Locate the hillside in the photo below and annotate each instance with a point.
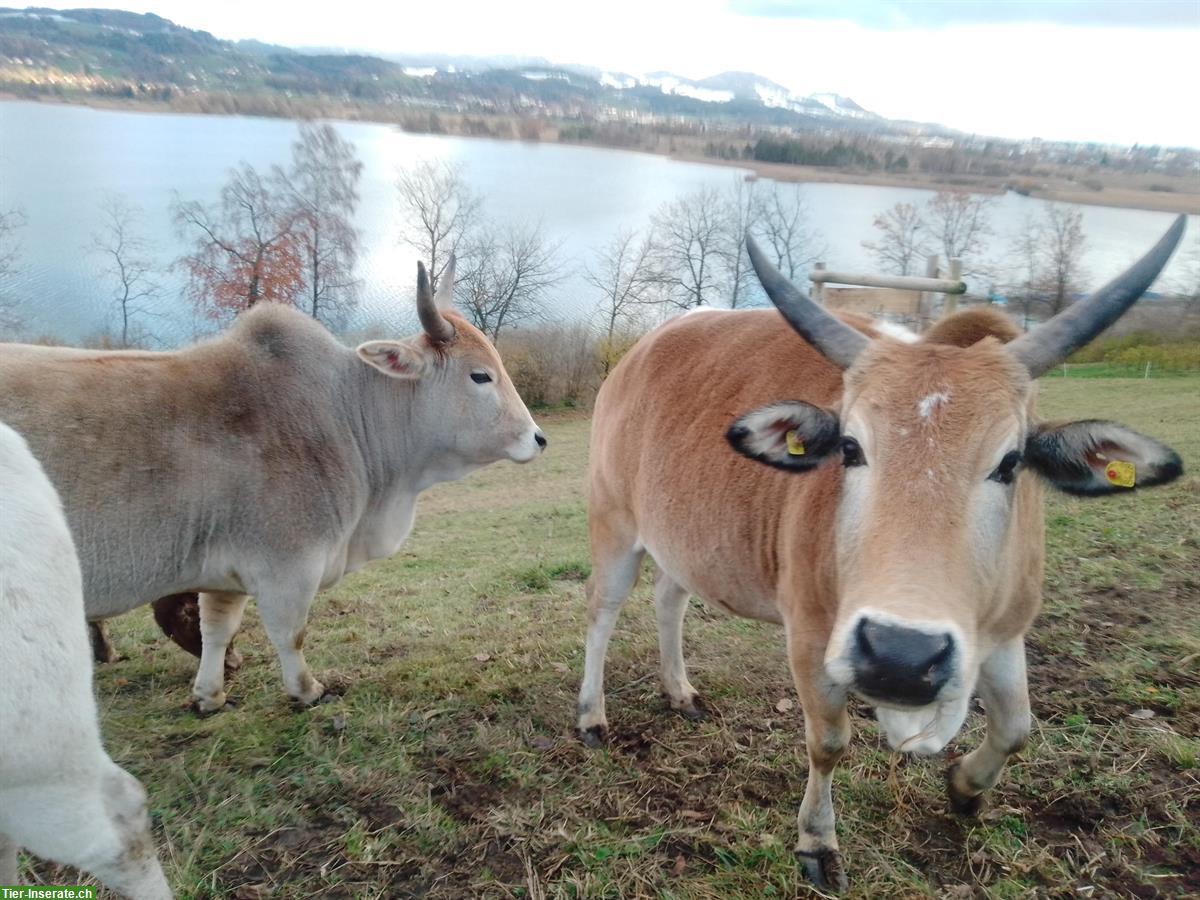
(116, 53)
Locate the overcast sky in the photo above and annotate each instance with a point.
(1105, 70)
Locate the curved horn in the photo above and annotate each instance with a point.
(1053, 341)
(833, 338)
(439, 330)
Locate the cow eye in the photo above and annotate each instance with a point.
(852, 454)
(1007, 470)
(480, 377)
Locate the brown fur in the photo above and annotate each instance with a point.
(969, 327)
(933, 418)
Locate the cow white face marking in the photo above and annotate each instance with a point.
(929, 404)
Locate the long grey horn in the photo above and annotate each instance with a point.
(833, 338)
(1053, 341)
(445, 292)
(439, 330)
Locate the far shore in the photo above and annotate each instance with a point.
(1058, 190)
(1183, 195)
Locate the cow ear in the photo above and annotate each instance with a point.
(1095, 457)
(791, 435)
(395, 358)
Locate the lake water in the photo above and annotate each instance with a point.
(58, 163)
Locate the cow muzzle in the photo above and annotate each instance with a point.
(896, 662)
(529, 446)
(900, 665)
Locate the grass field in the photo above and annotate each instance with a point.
(448, 768)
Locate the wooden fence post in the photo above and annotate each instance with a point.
(818, 290)
(925, 302)
(950, 301)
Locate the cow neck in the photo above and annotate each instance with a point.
(395, 451)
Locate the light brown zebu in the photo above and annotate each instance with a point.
(889, 516)
(269, 461)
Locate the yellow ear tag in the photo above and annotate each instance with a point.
(795, 446)
(1121, 473)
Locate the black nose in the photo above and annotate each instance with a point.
(901, 665)
(541, 439)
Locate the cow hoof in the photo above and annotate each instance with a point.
(594, 736)
(210, 707)
(694, 709)
(824, 869)
(961, 804)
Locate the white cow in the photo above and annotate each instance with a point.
(60, 794)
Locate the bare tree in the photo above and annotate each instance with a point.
(1025, 248)
(10, 222)
(1062, 256)
(624, 276)
(902, 239)
(743, 208)
(959, 222)
(127, 260)
(505, 276)
(689, 245)
(788, 236)
(322, 186)
(245, 247)
(440, 211)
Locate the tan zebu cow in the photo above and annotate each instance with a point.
(889, 517)
(269, 461)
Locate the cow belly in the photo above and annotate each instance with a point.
(715, 578)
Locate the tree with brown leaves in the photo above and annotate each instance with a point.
(246, 247)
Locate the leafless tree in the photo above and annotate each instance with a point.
(322, 186)
(245, 247)
(689, 245)
(127, 261)
(1025, 250)
(623, 274)
(440, 211)
(788, 236)
(959, 222)
(1062, 256)
(743, 207)
(10, 222)
(902, 239)
(504, 276)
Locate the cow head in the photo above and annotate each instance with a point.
(939, 522)
(462, 399)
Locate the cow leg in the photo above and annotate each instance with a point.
(826, 734)
(100, 826)
(103, 650)
(220, 619)
(284, 614)
(1005, 693)
(670, 606)
(615, 567)
(8, 860)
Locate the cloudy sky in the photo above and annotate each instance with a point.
(1105, 70)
